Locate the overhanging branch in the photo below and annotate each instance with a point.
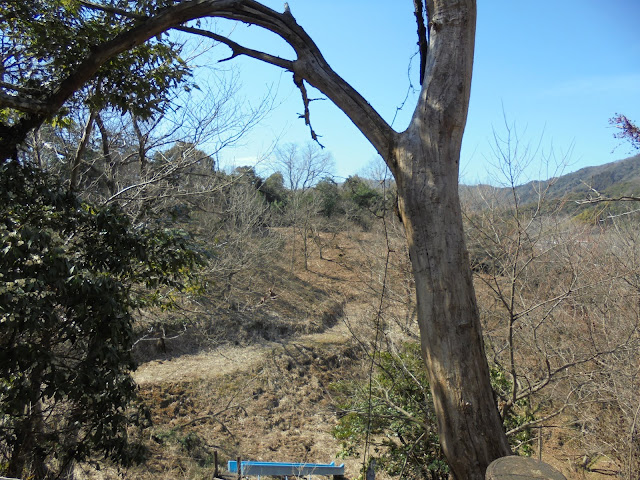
(310, 66)
(23, 104)
(238, 50)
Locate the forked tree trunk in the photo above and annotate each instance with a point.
(425, 163)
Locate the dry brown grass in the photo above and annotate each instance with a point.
(254, 381)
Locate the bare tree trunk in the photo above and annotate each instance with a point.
(142, 145)
(469, 425)
(425, 164)
(109, 164)
(305, 242)
(37, 146)
(82, 147)
(293, 244)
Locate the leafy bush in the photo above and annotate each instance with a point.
(400, 420)
(395, 414)
(363, 194)
(71, 274)
(518, 415)
(329, 197)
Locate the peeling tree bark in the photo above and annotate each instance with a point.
(425, 162)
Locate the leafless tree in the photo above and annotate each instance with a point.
(148, 165)
(241, 222)
(558, 303)
(607, 419)
(302, 168)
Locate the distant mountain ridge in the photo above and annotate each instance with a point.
(613, 179)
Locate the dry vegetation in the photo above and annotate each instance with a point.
(301, 287)
(254, 379)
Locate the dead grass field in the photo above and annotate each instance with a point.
(259, 390)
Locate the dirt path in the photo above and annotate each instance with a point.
(228, 359)
(211, 364)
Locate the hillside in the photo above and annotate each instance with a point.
(613, 179)
(261, 386)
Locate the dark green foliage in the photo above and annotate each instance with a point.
(365, 200)
(274, 190)
(247, 175)
(70, 275)
(44, 41)
(195, 160)
(362, 194)
(401, 420)
(190, 443)
(329, 195)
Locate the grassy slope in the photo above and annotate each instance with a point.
(254, 381)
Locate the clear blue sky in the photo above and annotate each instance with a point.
(557, 68)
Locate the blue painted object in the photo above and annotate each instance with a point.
(286, 469)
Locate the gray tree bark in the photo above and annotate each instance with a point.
(425, 164)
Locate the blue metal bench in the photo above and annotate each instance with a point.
(282, 469)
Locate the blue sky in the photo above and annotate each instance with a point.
(557, 69)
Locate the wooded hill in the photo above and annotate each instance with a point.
(613, 179)
(609, 181)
